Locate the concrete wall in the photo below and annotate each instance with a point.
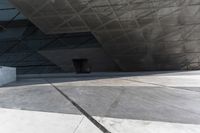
(7, 75)
(97, 59)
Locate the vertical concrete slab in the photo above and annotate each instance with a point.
(7, 75)
(97, 59)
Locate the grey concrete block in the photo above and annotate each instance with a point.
(7, 75)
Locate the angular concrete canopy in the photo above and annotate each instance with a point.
(137, 34)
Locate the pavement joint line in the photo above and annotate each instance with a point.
(78, 125)
(95, 122)
(116, 101)
(168, 88)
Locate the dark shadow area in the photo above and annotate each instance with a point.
(81, 66)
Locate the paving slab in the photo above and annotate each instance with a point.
(18, 121)
(154, 104)
(39, 96)
(140, 126)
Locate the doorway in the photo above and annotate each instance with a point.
(81, 65)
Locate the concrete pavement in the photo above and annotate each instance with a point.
(155, 102)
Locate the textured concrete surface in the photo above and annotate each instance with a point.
(137, 35)
(16, 121)
(34, 94)
(140, 126)
(145, 100)
(97, 59)
(7, 75)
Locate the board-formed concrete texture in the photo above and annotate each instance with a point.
(136, 34)
(7, 75)
(147, 102)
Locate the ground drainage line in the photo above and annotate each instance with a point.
(95, 122)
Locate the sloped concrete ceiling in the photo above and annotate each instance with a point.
(137, 34)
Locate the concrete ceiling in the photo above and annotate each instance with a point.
(137, 34)
(8, 13)
(20, 42)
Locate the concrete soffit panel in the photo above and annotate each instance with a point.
(145, 35)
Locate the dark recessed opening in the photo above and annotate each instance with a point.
(81, 65)
(1, 28)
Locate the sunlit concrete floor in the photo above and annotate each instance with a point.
(145, 102)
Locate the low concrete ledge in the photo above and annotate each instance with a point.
(7, 75)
